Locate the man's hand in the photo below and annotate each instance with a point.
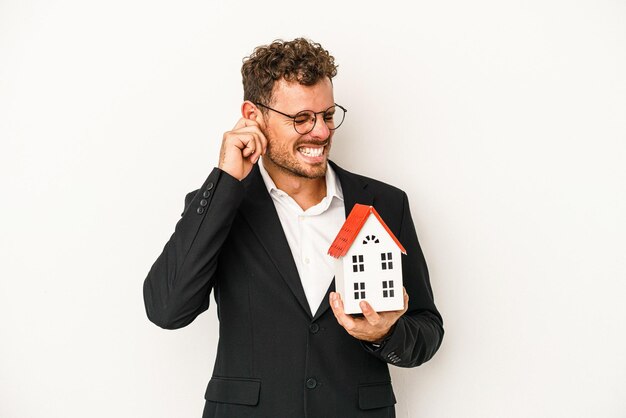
(241, 148)
(374, 326)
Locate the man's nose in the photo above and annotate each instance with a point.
(320, 130)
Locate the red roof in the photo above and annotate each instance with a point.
(351, 228)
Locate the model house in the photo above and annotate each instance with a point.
(368, 265)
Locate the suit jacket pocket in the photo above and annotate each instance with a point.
(241, 391)
(376, 395)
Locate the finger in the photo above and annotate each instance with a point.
(336, 305)
(241, 123)
(263, 140)
(249, 146)
(246, 144)
(249, 122)
(251, 130)
(239, 139)
(406, 299)
(256, 130)
(258, 151)
(369, 313)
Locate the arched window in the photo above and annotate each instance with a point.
(371, 238)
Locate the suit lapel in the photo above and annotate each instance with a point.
(354, 191)
(354, 188)
(259, 210)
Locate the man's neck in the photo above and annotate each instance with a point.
(306, 192)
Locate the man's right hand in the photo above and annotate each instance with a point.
(241, 148)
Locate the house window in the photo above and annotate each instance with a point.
(371, 238)
(388, 290)
(359, 290)
(386, 261)
(357, 263)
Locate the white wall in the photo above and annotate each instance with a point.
(505, 121)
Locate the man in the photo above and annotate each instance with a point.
(257, 233)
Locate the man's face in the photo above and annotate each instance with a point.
(294, 154)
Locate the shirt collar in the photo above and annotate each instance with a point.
(333, 186)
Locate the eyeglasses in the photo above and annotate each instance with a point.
(305, 120)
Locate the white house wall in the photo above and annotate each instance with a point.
(373, 274)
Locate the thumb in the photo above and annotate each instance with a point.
(241, 123)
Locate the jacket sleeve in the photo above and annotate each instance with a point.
(417, 335)
(179, 284)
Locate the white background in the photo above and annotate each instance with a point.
(505, 122)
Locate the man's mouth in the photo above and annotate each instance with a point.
(311, 151)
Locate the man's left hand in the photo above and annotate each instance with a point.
(374, 326)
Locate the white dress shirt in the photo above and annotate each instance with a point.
(310, 233)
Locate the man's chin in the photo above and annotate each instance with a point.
(310, 172)
(318, 172)
(315, 171)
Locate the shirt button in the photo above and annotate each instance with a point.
(209, 186)
(206, 194)
(203, 202)
(311, 383)
(314, 328)
(200, 210)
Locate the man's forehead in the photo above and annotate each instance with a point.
(298, 96)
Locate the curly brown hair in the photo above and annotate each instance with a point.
(300, 60)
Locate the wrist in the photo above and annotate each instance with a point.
(379, 343)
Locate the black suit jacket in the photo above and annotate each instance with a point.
(275, 358)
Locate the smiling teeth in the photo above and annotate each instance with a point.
(312, 152)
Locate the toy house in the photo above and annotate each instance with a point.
(368, 265)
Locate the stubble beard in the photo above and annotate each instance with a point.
(286, 162)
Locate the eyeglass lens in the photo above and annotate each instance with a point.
(304, 121)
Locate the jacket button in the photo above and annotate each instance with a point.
(314, 328)
(206, 194)
(209, 186)
(203, 202)
(200, 210)
(311, 383)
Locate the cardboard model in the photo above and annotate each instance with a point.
(369, 264)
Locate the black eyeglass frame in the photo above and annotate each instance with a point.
(323, 112)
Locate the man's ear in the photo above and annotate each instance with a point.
(250, 111)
